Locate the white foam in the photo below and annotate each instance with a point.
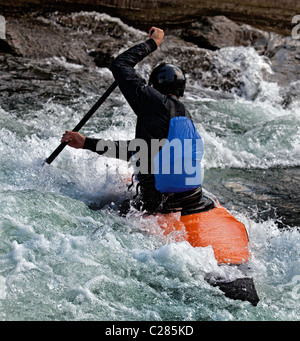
(252, 65)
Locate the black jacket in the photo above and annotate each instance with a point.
(151, 107)
(153, 115)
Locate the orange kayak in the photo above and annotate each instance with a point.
(228, 238)
(216, 227)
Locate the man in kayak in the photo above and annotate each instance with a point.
(162, 117)
(156, 106)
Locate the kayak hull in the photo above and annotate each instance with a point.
(228, 238)
(216, 227)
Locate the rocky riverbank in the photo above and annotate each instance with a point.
(270, 15)
(87, 38)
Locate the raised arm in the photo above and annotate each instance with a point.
(132, 85)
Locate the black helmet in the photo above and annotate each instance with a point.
(168, 79)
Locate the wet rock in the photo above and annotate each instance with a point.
(217, 32)
(290, 94)
(284, 53)
(212, 33)
(270, 15)
(89, 38)
(93, 38)
(69, 36)
(262, 193)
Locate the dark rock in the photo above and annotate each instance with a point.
(86, 38)
(101, 58)
(290, 94)
(262, 193)
(212, 33)
(70, 36)
(239, 289)
(284, 53)
(89, 38)
(270, 15)
(218, 32)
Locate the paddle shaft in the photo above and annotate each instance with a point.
(56, 152)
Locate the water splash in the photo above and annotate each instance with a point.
(75, 263)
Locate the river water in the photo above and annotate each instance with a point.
(66, 255)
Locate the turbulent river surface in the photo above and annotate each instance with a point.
(64, 252)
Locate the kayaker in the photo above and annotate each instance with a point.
(160, 115)
(155, 104)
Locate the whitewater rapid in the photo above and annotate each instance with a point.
(62, 260)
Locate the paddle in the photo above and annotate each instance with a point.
(83, 121)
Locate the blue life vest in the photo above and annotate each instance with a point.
(177, 166)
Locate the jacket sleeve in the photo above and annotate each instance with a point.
(138, 94)
(111, 149)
